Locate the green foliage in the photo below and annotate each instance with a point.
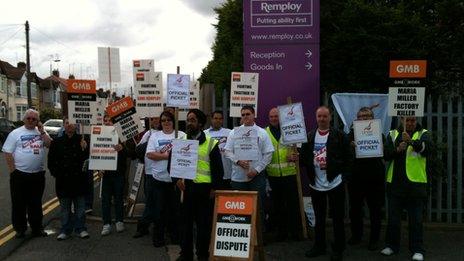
(358, 39)
(49, 113)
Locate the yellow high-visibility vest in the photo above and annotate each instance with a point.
(415, 163)
(203, 166)
(279, 165)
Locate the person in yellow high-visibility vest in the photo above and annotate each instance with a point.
(197, 205)
(281, 174)
(406, 185)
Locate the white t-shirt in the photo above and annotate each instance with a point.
(320, 161)
(265, 154)
(27, 148)
(160, 142)
(221, 136)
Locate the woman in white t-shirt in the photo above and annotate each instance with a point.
(156, 167)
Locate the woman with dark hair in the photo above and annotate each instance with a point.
(158, 180)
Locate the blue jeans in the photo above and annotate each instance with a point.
(258, 183)
(414, 207)
(72, 221)
(112, 187)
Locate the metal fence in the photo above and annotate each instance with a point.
(444, 119)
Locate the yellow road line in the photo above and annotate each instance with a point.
(5, 230)
(7, 238)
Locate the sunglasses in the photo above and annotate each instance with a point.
(31, 119)
(246, 114)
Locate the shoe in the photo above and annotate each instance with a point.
(106, 230)
(84, 234)
(418, 257)
(387, 251)
(88, 211)
(119, 227)
(373, 246)
(39, 233)
(62, 236)
(20, 235)
(314, 252)
(140, 234)
(354, 241)
(336, 256)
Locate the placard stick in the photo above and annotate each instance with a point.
(298, 184)
(176, 117)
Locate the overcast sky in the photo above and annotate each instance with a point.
(172, 32)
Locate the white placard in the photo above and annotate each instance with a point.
(136, 184)
(194, 100)
(184, 159)
(406, 101)
(82, 112)
(125, 118)
(227, 244)
(244, 91)
(246, 143)
(103, 156)
(101, 105)
(149, 93)
(368, 138)
(108, 64)
(144, 65)
(292, 124)
(178, 91)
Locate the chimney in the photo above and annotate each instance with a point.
(56, 73)
(22, 65)
(71, 77)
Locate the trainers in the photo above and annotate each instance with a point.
(387, 251)
(119, 227)
(62, 236)
(418, 257)
(84, 234)
(106, 230)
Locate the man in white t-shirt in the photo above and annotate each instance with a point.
(326, 156)
(249, 175)
(217, 132)
(25, 157)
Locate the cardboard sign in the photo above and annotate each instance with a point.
(82, 102)
(406, 101)
(194, 100)
(184, 159)
(136, 183)
(103, 156)
(125, 118)
(109, 67)
(149, 93)
(147, 65)
(292, 124)
(234, 230)
(368, 138)
(244, 91)
(408, 69)
(178, 91)
(246, 143)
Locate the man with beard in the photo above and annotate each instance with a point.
(197, 205)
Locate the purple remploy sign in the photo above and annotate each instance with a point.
(281, 43)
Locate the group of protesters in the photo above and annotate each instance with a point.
(175, 206)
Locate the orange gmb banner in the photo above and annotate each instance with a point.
(82, 86)
(241, 205)
(408, 69)
(119, 106)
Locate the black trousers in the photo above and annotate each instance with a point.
(197, 207)
(374, 195)
(26, 198)
(336, 199)
(285, 203)
(164, 202)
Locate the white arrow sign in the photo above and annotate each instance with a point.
(308, 66)
(308, 53)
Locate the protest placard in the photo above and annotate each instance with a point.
(368, 138)
(234, 226)
(292, 124)
(82, 102)
(184, 159)
(143, 65)
(178, 91)
(244, 91)
(103, 156)
(406, 101)
(194, 100)
(246, 143)
(149, 93)
(125, 118)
